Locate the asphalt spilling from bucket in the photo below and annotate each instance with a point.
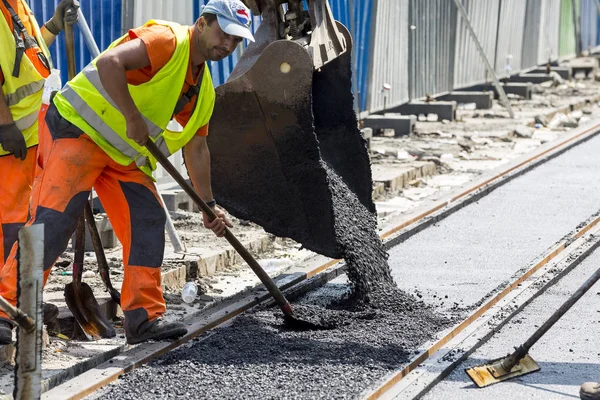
(369, 329)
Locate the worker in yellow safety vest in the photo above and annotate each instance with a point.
(99, 123)
(24, 64)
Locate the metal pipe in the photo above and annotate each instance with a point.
(490, 70)
(85, 31)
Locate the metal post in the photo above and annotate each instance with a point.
(490, 70)
(598, 6)
(578, 46)
(28, 376)
(87, 34)
(178, 247)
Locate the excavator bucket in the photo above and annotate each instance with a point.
(283, 119)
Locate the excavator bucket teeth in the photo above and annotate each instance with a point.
(277, 125)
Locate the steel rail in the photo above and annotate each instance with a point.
(551, 255)
(96, 378)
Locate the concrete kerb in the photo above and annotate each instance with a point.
(434, 366)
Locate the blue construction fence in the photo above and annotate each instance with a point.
(105, 20)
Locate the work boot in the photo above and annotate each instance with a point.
(590, 391)
(158, 329)
(5, 332)
(49, 313)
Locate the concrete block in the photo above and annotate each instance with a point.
(178, 200)
(587, 65)
(522, 89)
(483, 100)
(531, 78)
(443, 109)
(401, 124)
(367, 134)
(563, 72)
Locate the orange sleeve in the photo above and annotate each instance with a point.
(160, 44)
(203, 131)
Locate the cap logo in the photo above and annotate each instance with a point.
(242, 16)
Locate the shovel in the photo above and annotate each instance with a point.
(520, 363)
(290, 318)
(78, 295)
(100, 256)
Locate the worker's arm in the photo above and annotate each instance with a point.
(11, 138)
(112, 66)
(65, 13)
(197, 161)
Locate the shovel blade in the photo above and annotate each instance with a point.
(87, 312)
(492, 372)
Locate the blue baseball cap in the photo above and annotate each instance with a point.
(233, 16)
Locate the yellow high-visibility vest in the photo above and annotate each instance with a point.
(23, 94)
(85, 103)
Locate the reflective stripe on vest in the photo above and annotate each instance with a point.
(27, 121)
(24, 91)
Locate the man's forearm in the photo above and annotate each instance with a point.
(197, 162)
(114, 80)
(5, 115)
(48, 36)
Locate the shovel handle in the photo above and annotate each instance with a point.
(237, 245)
(70, 42)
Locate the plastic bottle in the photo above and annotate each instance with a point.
(189, 292)
(53, 84)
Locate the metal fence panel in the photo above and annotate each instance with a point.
(390, 55)
(550, 32)
(589, 24)
(104, 18)
(541, 39)
(180, 11)
(509, 44)
(567, 45)
(431, 47)
(469, 68)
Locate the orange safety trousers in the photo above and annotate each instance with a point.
(67, 170)
(16, 180)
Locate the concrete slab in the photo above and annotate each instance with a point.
(482, 100)
(522, 89)
(464, 259)
(585, 65)
(531, 78)
(443, 109)
(397, 176)
(568, 354)
(401, 124)
(563, 72)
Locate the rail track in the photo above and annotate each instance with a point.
(433, 360)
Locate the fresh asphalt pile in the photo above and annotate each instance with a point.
(373, 330)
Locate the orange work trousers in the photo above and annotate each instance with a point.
(67, 170)
(16, 180)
